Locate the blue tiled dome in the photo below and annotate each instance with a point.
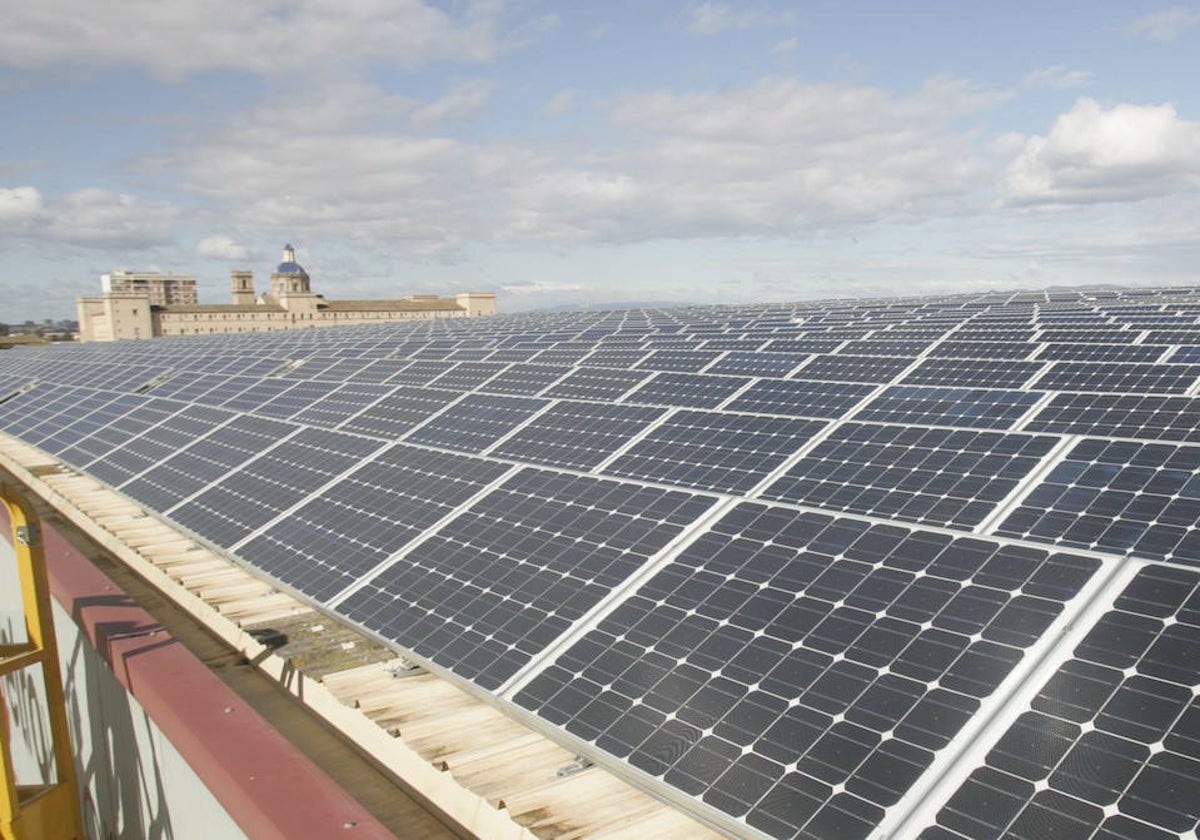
(289, 264)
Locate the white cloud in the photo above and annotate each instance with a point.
(711, 18)
(541, 287)
(561, 103)
(777, 158)
(1165, 26)
(462, 102)
(99, 218)
(1093, 154)
(88, 218)
(173, 38)
(20, 205)
(1058, 76)
(221, 247)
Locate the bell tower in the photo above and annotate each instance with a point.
(241, 285)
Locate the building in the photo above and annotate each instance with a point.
(163, 289)
(131, 310)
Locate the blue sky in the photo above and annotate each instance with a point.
(593, 152)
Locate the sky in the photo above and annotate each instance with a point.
(591, 153)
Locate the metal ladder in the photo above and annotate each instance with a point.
(39, 811)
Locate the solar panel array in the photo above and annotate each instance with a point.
(910, 567)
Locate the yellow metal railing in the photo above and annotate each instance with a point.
(49, 810)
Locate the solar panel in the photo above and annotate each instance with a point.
(505, 578)
(1147, 417)
(937, 476)
(339, 535)
(398, 412)
(847, 368)
(727, 452)
(799, 399)
(798, 671)
(1110, 745)
(577, 435)
(205, 461)
(974, 408)
(1119, 496)
(267, 486)
(973, 373)
(906, 567)
(476, 422)
(1113, 376)
(689, 390)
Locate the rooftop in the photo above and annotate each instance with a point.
(822, 569)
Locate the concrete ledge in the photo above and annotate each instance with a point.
(268, 787)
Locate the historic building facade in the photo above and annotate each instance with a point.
(289, 303)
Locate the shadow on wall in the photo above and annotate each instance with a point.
(116, 744)
(24, 695)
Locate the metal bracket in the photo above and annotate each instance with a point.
(405, 667)
(581, 763)
(27, 535)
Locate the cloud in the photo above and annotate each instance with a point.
(221, 247)
(1058, 76)
(462, 102)
(541, 287)
(20, 205)
(88, 218)
(714, 18)
(561, 103)
(780, 157)
(1093, 154)
(174, 38)
(1164, 26)
(711, 18)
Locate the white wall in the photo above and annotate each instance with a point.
(134, 783)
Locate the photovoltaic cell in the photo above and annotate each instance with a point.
(1146, 417)
(1120, 496)
(1110, 746)
(396, 414)
(799, 399)
(973, 373)
(476, 422)
(206, 461)
(142, 413)
(800, 672)
(524, 379)
(847, 368)
(954, 348)
(155, 444)
(338, 536)
(936, 476)
(597, 384)
(301, 396)
(465, 376)
(690, 390)
(742, 363)
(1115, 376)
(341, 403)
(260, 490)
(974, 408)
(504, 579)
(576, 434)
(1105, 352)
(679, 360)
(714, 451)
